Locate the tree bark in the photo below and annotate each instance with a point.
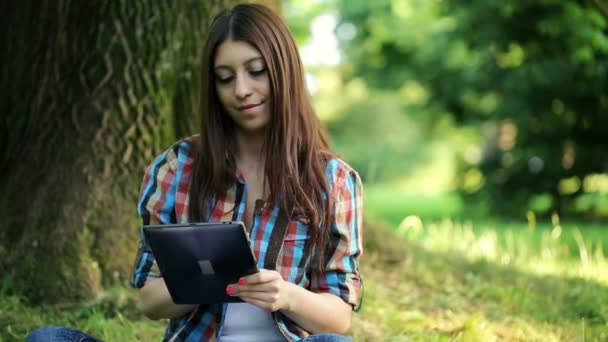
(275, 5)
(92, 91)
(601, 7)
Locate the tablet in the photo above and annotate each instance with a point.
(198, 260)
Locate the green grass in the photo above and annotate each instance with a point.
(391, 205)
(452, 285)
(445, 279)
(425, 280)
(446, 284)
(112, 317)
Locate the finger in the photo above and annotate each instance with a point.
(263, 276)
(268, 306)
(272, 287)
(259, 296)
(250, 280)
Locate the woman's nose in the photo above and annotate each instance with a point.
(242, 86)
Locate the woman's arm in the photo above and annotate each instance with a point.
(156, 302)
(318, 312)
(326, 304)
(157, 202)
(315, 312)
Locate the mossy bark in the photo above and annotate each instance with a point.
(92, 90)
(275, 5)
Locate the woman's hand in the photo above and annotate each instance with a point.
(265, 289)
(314, 312)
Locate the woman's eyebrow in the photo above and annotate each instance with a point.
(253, 59)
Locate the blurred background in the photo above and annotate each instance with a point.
(478, 108)
(479, 128)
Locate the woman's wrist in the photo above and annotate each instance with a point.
(291, 297)
(315, 312)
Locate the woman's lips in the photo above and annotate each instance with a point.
(249, 109)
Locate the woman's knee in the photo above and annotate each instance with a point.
(327, 338)
(43, 334)
(53, 333)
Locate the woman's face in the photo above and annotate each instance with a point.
(243, 85)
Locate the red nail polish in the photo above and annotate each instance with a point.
(229, 290)
(241, 281)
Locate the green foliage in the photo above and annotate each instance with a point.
(392, 204)
(548, 62)
(386, 158)
(300, 13)
(530, 77)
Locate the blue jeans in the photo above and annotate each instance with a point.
(59, 334)
(327, 338)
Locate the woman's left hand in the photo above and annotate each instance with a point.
(265, 289)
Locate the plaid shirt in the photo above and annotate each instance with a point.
(164, 198)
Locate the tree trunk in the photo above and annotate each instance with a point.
(91, 92)
(275, 5)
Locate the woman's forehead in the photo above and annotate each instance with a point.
(235, 52)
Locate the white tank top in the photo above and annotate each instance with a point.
(246, 322)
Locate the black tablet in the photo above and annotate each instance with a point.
(198, 260)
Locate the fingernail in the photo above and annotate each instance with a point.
(241, 281)
(229, 290)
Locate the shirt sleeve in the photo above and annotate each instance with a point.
(341, 276)
(156, 205)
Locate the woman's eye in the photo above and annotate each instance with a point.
(257, 72)
(224, 80)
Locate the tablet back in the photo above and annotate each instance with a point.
(198, 261)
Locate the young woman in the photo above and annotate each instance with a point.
(262, 158)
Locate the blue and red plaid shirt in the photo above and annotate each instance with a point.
(164, 199)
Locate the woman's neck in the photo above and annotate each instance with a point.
(249, 149)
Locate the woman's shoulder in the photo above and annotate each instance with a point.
(179, 154)
(339, 171)
(336, 164)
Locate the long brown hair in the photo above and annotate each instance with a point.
(295, 138)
